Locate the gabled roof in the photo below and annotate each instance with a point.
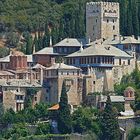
(61, 66)
(72, 42)
(38, 66)
(119, 40)
(46, 50)
(55, 107)
(100, 50)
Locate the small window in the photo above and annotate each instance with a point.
(35, 98)
(120, 62)
(94, 82)
(96, 20)
(67, 73)
(107, 20)
(113, 27)
(128, 62)
(61, 73)
(113, 20)
(73, 72)
(21, 97)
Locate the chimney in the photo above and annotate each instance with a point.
(133, 36)
(89, 40)
(50, 41)
(81, 47)
(120, 39)
(67, 40)
(41, 76)
(31, 80)
(89, 70)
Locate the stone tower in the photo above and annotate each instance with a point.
(102, 20)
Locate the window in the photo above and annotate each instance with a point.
(113, 27)
(73, 72)
(96, 20)
(98, 59)
(128, 62)
(120, 62)
(67, 73)
(35, 98)
(95, 60)
(107, 20)
(94, 82)
(113, 20)
(61, 73)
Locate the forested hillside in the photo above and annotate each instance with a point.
(66, 17)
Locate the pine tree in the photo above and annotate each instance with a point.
(64, 117)
(109, 122)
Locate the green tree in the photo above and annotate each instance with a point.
(29, 43)
(64, 116)
(84, 120)
(8, 117)
(134, 133)
(43, 129)
(109, 122)
(16, 131)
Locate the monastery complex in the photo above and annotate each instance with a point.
(89, 65)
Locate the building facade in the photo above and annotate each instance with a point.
(53, 80)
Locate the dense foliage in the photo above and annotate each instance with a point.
(84, 120)
(109, 122)
(67, 17)
(36, 21)
(134, 133)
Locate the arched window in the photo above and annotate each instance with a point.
(114, 11)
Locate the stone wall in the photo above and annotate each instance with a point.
(9, 100)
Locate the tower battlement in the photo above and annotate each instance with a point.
(103, 3)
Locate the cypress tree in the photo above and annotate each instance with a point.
(109, 122)
(46, 38)
(135, 20)
(29, 44)
(36, 43)
(64, 117)
(129, 19)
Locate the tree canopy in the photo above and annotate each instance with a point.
(67, 17)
